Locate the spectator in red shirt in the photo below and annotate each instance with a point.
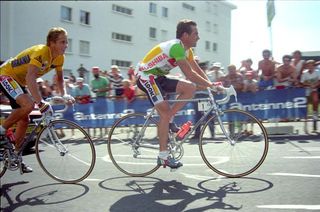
(128, 90)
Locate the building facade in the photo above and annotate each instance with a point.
(105, 33)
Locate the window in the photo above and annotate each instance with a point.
(84, 17)
(208, 26)
(66, 13)
(122, 37)
(207, 46)
(164, 12)
(69, 49)
(214, 47)
(152, 32)
(215, 28)
(152, 8)
(121, 63)
(188, 6)
(84, 47)
(121, 9)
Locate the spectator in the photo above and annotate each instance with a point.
(234, 78)
(310, 79)
(116, 78)
(246, 66)
(250, 84)
(215, 74)
(267, 67)
(297, 63)
(131, 75)
(72, 77)
(69, 86)
(99, 85)
(82, 92)
(55, 90)
(44, 90)
(285, 74)
(128, 90)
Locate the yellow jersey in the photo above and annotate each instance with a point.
(38, 55)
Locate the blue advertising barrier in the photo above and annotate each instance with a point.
(268, 104)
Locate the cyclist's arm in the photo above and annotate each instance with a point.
(31, 79)
(194, 65)
(191, 75)
(60, 83)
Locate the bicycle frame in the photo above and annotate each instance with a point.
(213, 109)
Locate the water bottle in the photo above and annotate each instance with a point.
(10, 135)
(184, 129)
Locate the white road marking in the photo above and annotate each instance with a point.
(295, 175)
(293, 207)
(308, 149)
(301, 157)
(93, 179)
(201, 177)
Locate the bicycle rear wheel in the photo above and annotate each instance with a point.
(3, 161)
(250, 146)
(65, 151)
(133, 145)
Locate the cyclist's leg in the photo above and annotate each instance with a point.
(20, 131)
(19, 115)
(155, 92)
(185, 90)
(163, 110)
(22, 105)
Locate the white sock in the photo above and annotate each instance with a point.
(171, 120)
(164, 154)
(2, 130)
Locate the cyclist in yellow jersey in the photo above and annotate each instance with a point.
(22, 71)
(151, 79)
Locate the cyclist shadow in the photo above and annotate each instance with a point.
(46, 195)
(173, 196)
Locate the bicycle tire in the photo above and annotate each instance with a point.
(134, 159)
(72, 158)
(248, 152)
(3, 161)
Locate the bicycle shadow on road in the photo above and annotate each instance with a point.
(153, 194)
(48, 194)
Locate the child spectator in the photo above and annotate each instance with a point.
(128, 90)
(250, 84)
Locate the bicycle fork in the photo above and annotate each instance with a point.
(61, 148)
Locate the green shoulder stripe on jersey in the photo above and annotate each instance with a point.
(177, 52)
(157, 72)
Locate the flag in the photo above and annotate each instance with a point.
(271, 12)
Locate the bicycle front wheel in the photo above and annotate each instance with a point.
(243, 152)
(133, 145)
(65, 151)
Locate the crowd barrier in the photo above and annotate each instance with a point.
(265, 105)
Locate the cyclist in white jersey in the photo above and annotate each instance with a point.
(151, 79)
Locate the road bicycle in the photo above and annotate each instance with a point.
(63, 148)
(237, 147)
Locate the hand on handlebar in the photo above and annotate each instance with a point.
(45, 108)
(217, 87)
(69, 99)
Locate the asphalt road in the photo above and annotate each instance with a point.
(289, 180)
